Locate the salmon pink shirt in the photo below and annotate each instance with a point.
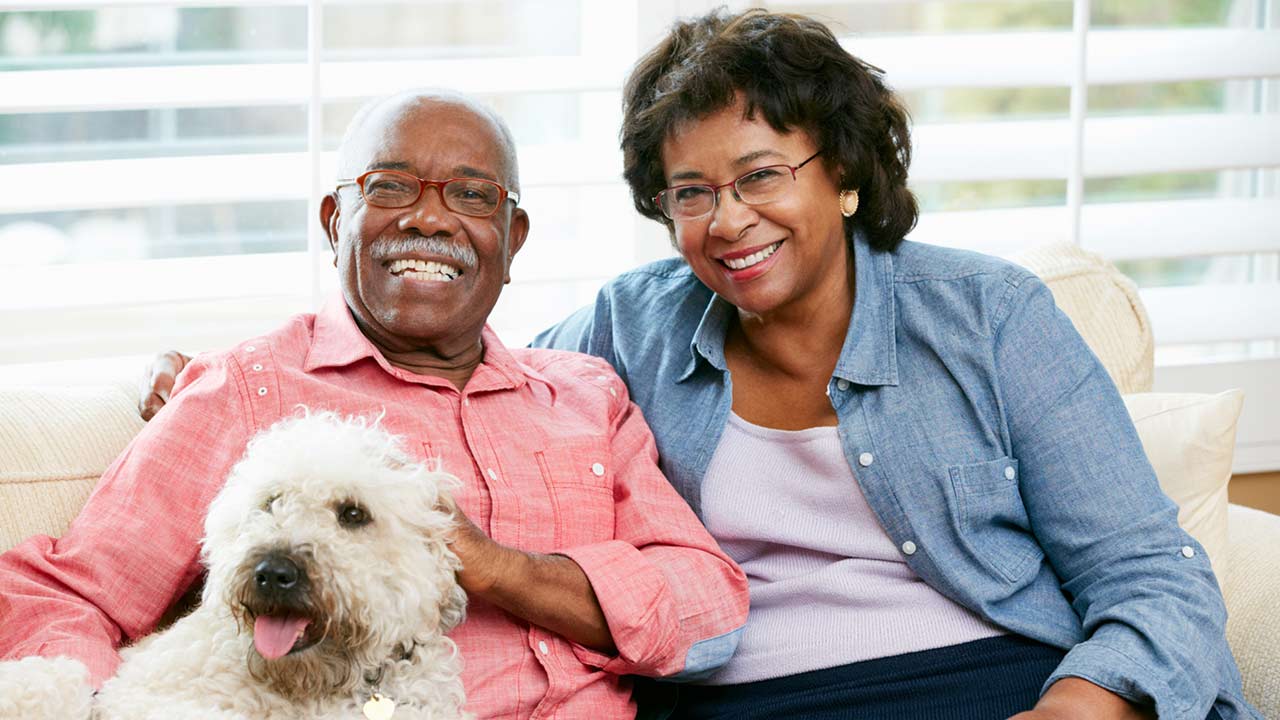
(553, 458)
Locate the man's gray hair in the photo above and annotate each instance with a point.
(417, 97)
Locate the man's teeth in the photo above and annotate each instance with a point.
(433, 270)
(752, 259)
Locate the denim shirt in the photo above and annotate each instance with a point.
(988, 440)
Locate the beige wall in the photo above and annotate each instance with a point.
(1261, 490)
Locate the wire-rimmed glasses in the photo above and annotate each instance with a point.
(759, 186)
(475, 197)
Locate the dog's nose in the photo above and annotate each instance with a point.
(276, 572)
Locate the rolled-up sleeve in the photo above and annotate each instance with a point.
(1150, 606)
(674, 602)
(134, 548)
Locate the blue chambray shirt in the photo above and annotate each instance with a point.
(988, 440)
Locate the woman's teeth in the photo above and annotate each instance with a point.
(752, 259)
(424, 270)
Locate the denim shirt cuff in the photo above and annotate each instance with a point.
(1125, 676)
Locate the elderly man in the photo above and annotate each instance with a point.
(589, 565)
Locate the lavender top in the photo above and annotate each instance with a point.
(785, 505)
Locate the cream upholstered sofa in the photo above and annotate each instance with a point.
(56, 441)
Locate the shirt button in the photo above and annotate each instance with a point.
(466, 401)
(597, 469)
(542, 647)
(1009, 474)
(602, 378)
(249, 348)
(1188, 551)
(842, 384)
(492, 475)
(257, 367)
(908, 548)
(865, 459)
(262, 391)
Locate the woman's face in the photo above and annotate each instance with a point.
(787, 254)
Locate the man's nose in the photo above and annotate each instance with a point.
(429, 215)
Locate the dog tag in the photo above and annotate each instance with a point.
(379, 708)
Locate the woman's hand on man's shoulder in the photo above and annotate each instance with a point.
(157, 382)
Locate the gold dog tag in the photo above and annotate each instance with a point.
(379, 708)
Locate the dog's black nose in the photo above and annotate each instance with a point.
(276, 573)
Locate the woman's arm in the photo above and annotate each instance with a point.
(1143, 589)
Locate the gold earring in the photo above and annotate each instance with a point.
(848, 202)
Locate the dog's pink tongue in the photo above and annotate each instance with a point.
(275, 636)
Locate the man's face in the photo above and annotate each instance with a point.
(400, 302)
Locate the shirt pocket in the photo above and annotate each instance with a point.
(579, 480)
(993, 518)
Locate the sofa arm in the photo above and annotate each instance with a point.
(1251, 591)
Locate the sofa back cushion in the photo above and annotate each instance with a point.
(54, 445)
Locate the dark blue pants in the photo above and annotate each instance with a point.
(989, 679)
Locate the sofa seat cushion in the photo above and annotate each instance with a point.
(54, 445)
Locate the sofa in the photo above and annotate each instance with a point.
(56, 440)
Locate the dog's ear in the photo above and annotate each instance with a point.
(453, 610)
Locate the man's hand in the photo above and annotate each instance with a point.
(1077, 699)
(483, 560)
(550, 591)
(157, 382)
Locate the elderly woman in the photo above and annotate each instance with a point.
(931, 482)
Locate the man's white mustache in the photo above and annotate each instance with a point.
(464, 255)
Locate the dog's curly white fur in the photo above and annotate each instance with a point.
(329, 544)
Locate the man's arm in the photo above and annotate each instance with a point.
(134, 548)
(550, 591)
(675, 604)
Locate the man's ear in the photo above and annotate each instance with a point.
(519, 230)
(329, 212)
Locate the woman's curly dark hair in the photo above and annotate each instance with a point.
(791, 69)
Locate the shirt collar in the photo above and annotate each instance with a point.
(708, 338)
(870, 353)
(338, 342)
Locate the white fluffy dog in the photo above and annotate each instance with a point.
(329, 591)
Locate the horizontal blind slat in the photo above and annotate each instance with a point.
(1042, 59)
(1213, 313)
(1117, 231)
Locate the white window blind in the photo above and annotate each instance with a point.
(160, 160)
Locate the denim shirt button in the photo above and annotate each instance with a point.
(865, 459)
(1188, 551)
(1009, 474)
(842, 384)
(908, 548)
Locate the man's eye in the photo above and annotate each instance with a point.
(351, 515)
(386, 187)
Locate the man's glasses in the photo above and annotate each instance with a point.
(466, 196)
(762, 185)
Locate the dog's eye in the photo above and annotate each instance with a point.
(352, 515)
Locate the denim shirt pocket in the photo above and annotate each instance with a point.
(579, 479)
(993, 518)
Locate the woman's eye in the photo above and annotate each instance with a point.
(353, 516)
(760, 176)
(691, 193)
